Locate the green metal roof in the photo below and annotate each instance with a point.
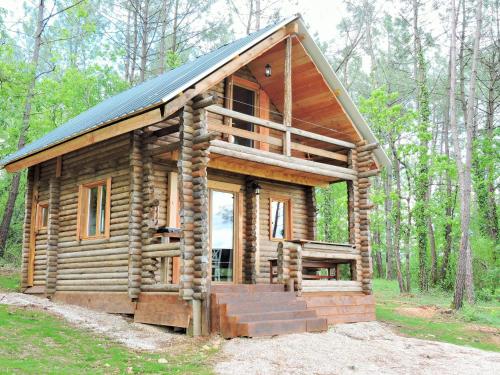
(148, 94)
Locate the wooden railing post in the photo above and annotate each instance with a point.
(283, 260)
(287, 105)
(296, 267)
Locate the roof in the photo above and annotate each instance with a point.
(149, 94)
(156, 91)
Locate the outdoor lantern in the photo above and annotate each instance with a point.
(256, 188)
(268, 70)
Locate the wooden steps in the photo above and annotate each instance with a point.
(260, 310)
(342, 308)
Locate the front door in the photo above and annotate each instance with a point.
(223, 229)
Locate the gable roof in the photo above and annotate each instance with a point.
(159, 90)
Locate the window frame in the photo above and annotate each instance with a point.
(287, 220)
(82, 212)
(40, 206)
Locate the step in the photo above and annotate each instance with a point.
(254, 297)
(247, 288)
(281, 327)
(252, 307)
(275, 315)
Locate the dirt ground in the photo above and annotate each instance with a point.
(362, 348)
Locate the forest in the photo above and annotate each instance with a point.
(425, 74)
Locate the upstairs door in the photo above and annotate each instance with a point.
(244, 101)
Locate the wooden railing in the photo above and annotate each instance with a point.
(297, 258)
(278, 141)
(159, 257)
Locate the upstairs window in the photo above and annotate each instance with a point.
(280, 220)
(94, 210)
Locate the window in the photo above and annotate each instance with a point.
(42, 215)
(94, 210)
(244, 102)
(281, 223)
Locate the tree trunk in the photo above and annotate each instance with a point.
(388, 228)
(397, 219)
(14, 185)
(144, 41)
(133, 60)
(422, 179)
(464, 279)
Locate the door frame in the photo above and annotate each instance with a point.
(237, 228)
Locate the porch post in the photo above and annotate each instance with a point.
(193, 189)
(251, 256)
(28, 203)
(360, 160)
(287, 105)
(135, 216)
(311, 212)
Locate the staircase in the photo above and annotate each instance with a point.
(260, 310)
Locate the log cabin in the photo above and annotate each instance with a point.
(189, 200)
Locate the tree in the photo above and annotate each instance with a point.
(463, 281)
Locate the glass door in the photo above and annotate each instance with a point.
(222, 235)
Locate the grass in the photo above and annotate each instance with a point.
(475, 326)
(35, 342)
(9, 280)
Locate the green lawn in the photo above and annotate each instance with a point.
(9, 280)
(476, 326)
(34, 342)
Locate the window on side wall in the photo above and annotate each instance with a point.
(42, 215)
(94, 206)
(280, 220)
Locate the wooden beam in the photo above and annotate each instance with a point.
(318, 151)
(88, 139)
(287, 104)
(278, 160)
(166, 131)
(250, 170)
(58, 166)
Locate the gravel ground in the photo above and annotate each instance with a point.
(361, 348)
(133, 335)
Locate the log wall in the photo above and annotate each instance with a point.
(101, 264)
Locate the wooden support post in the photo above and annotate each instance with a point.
(135, 216)
(252, 253)
(228, 103)
(52, 234)
(28, 207)
(287, 105)
(32, 241)
(311, 212)
(185, 187)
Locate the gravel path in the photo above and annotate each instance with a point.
(362, 348)
(133, 335)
